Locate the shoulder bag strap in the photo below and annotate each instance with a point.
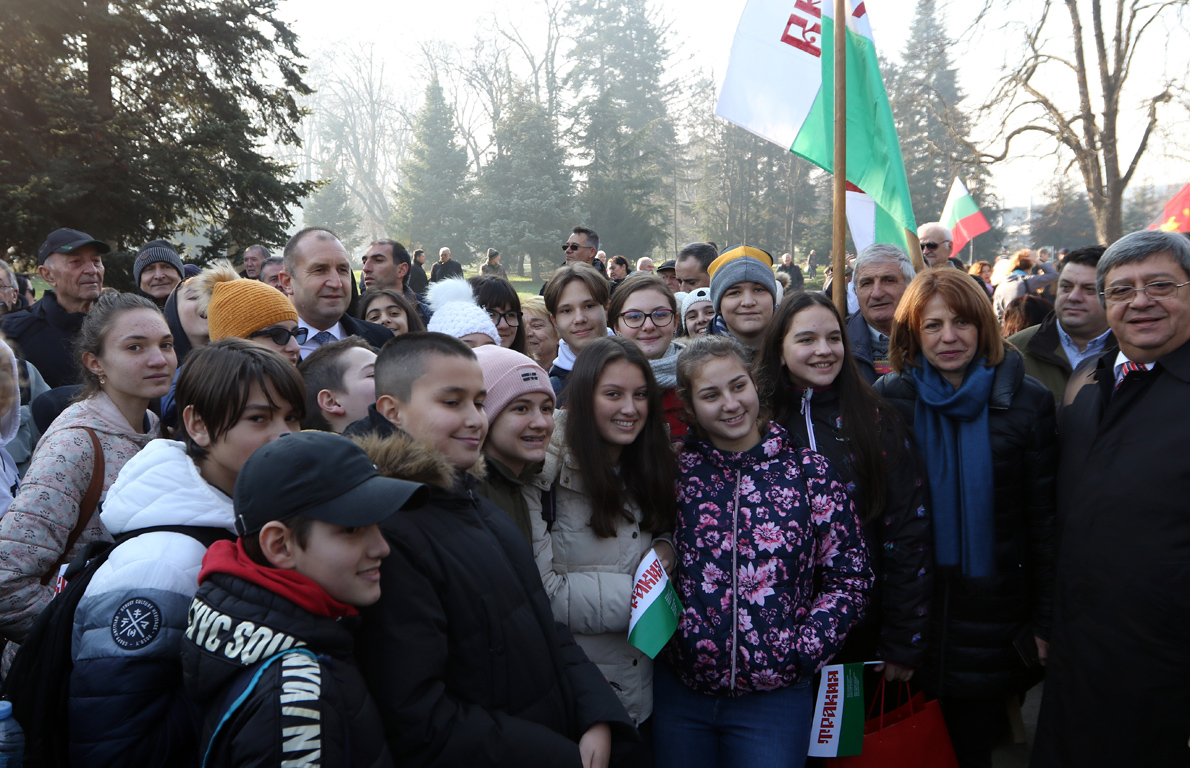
(86, 508)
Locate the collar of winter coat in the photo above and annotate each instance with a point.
(860, 338)
(665, 369)
(1006, 381)
(101, 414)
(231, 558)
(398, 454)
(1178, 362)
(774, 441)
(56, 315)
(161, 485)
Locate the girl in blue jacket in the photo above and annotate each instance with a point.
(772, 571)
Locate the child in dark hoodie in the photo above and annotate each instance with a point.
(267, 651)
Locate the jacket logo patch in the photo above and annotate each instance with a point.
(136, 623)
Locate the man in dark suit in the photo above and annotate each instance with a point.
(1117, 687)
(318, 278)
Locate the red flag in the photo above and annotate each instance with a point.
(1176, 216)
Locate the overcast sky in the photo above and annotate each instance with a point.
(701, 36)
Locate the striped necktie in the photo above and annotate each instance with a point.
(1127, 370)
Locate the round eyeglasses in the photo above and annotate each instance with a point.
(511, 318)
(660, 318)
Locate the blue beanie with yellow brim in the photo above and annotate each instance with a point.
(742, 264)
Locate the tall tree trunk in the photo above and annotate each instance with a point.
(99, 63)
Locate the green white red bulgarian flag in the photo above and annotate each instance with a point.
(779, 85)
(654, 609)
(962, 216)
(837, 729)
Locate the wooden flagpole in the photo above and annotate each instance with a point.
(839, 234)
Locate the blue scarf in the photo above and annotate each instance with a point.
(951, 427)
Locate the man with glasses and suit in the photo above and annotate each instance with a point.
(1117, 682)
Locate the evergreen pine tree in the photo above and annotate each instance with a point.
(432, 204)
(525, 202)
(624, 134)
(925, 98)
(330, 207)
(146, 121)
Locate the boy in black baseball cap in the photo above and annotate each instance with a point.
(268, 650)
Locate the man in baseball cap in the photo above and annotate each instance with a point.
(71, 262)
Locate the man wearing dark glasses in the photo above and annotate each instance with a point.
(583, 245)
(936, 244)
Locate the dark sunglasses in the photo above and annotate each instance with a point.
(573, 246)
(280, 335)
(931, 245)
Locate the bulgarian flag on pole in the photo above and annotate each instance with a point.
(779, 86)
(654, 608)
(962, 216)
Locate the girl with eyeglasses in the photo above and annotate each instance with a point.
(644, 310)
(499, 299)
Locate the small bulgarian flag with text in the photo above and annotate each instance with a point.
(962, 216)
(655, 607)
(837, 729)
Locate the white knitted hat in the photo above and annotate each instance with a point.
(455, 311)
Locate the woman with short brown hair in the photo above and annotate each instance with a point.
(986, 433)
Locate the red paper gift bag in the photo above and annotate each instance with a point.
(913, 735)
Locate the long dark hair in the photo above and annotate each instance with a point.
(495, 291)
(647, 469)
(864, 413)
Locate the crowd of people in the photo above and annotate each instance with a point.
(398, 523)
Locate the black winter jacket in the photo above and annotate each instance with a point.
(462, 653)
(301, 709)
(900, 538)
(977, 628)
(44, 335)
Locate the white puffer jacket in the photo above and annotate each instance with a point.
(589, 579)
(126, 683)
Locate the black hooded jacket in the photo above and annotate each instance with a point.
(462, 653)
(301, 708)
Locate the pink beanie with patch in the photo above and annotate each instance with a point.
(507, 375)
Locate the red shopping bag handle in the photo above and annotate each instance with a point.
(902, 688)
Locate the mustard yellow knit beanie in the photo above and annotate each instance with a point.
(240, 307)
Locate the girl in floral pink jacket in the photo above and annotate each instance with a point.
(772, 572)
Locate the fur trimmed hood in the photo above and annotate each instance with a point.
(400, 455)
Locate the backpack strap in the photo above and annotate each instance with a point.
(264, 665)
(86, 508)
